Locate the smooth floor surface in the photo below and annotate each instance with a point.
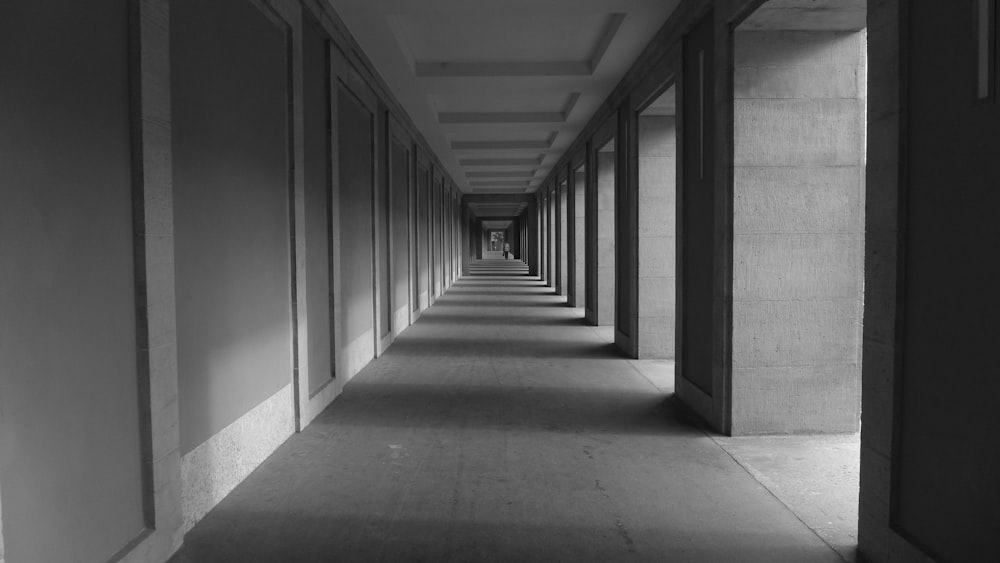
(500, 428)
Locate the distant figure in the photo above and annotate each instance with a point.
(506, 251)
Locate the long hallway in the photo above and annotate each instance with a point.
(501, 428)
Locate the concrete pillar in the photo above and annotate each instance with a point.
(798, 236)
(530, 242)
(657, 235)
(543, 237)
(465, 244)
(579, 252)
(538, 230)
(606, 238)
(551, 238)
(563, 236)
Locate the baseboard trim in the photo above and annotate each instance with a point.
(212, 470)
(357, 354)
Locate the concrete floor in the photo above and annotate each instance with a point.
(500, 428)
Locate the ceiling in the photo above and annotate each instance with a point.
(501, 88)
(497, 208)
(808, 15)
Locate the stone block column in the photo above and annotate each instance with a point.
(657, 234)
(606, 238)
(798, 240)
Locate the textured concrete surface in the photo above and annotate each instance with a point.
(606, 238)
(816, 477)
(499, 427)
(657, 235)
(798, 240)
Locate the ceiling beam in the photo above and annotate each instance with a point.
(440, 69)
(500, 183)
(504, 145)
(562, 116)
(501, 117)
(501, 161)
(497, 199)
(502, 174)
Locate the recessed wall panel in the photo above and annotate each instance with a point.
(698, 206)
(945, 489)
(423, 246)
(383, 211)
(318, 211)
(355, 130)
(399, 162)
(69, 398)
(229, 98)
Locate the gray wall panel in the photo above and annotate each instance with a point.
(228, 64)
(69, 414)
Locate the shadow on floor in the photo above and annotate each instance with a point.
(481, 303)
(414, 346)
(493, 432)
(496, 319)
(520, 409)
(283, 536)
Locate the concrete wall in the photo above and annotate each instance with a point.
(543, 238)
(797, 224)
(657, 234)
(564, 263)
(580, 236)
(71, 450)
(531, 240)
(552, 237)
(700, 351)
(606, 238)
(927, 485)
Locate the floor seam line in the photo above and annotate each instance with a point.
(774, 496)
(648, 380)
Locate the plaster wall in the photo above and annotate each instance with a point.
(797, 231)
(70, 442)
(606, 238)
(657, 235)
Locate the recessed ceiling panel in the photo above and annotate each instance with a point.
(499, 36)
(496, 85)
(521, 101)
